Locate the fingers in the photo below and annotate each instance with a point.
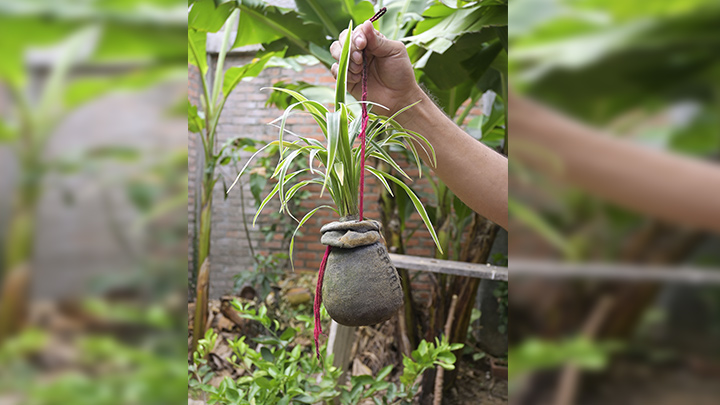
(335, 50)
(352, 77)
(356, 56)
(376, 43)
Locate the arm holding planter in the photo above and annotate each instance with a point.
(474, 172)
(667, 186)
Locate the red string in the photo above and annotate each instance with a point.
(321, 273)
(318, 301)
(365, 120)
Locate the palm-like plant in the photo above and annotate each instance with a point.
(339, 155)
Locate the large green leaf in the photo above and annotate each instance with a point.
(205, 16)
(333, 141)
(196, 120)
(277, 29)
(467, 59)
(126, 29)
(126, 42)
(85, 89)
(443, 24)
(17, 33)
(632, 63)
(343, 64)
(235, 74)
(331, 14)
(400, 17)
(196, 50)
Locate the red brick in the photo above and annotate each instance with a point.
(305, 255)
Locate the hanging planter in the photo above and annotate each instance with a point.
(361, 285)
(356, 280)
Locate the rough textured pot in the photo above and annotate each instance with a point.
(361, 286)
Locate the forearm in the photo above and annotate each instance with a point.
(667, 186)
(475, 173)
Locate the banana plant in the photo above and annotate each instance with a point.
(203, 120)
(30, 122)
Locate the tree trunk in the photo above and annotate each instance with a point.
(476, 250)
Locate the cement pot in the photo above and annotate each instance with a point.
(361, 286)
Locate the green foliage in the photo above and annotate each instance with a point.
(427, 356)
(534, 354)
(267, 271)
(623, 56)
(490, 128)
(278, 28)
(118, 372)
(277, 371)
(470, 349)
(204, 17)
(460, 52)
(124, 27)
(501, 293)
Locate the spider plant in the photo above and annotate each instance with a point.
(339, 153)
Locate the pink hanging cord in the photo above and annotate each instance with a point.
(318, 301)
(365, 119)
(321, 273)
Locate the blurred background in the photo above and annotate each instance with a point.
(92, 192)
(611, 305)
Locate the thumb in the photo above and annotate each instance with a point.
(377, 44)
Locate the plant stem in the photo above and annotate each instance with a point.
(244, 220)
(203, 278)
(470, 106)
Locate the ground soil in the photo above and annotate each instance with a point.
(634, 382)
(475, 385)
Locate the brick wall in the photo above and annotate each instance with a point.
(245, 114)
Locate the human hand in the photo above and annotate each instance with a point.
(391, 79)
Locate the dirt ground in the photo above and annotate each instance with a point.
(633, 382)
(475, 386)
(646, 384)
